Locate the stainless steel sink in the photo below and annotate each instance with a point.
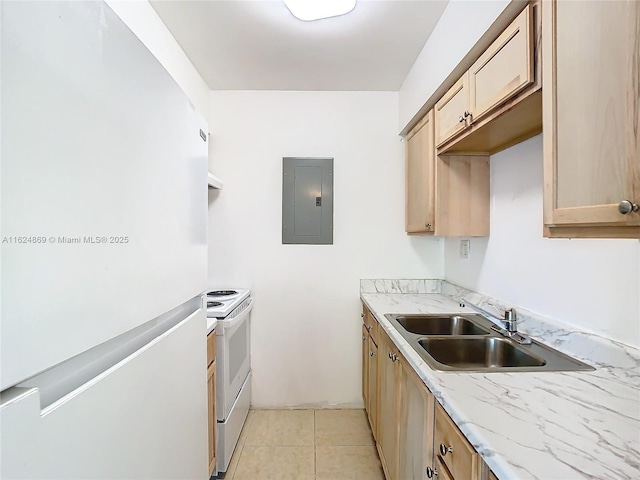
(467, 343)
(439, 325)
(487, 352)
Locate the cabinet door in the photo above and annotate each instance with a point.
(389, 386)
(416, 427)
(211, 347)
(450, 110)
(365, 367)
(372, 396)
(420, 165)
(505, 68)
(212, 418)
(591, 115)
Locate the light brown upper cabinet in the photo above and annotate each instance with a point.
(420, 171)
(504, 69)
(591, 101)
(445, 195)
(452, 110)
(497, 102)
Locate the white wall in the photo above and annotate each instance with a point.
(143, 20)
(462, 24)
(306, 322)
(591, 283)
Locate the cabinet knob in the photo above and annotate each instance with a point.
(431, 472)
(427, 224)
(444, 449)
(394, 357)
(625, 207)
(372, 354)
(362, 315)
(460, 119)
(364, 338)
(368, 328)
(467, 113)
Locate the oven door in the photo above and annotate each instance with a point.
(233, 343)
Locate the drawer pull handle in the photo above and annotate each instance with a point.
(444, 449)
(431, 472)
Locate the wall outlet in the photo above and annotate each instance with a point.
(465, 249)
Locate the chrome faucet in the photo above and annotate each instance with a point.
(507, 326)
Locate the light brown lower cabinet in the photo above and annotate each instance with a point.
(389, 375)
(211, 400)
(415, 445)
(415, 437)
(365, 366)
(372, 396)
(370, 369)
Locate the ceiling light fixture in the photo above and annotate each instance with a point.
(309, 10)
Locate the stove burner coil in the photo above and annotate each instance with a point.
(222, 293)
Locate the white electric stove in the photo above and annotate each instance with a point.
(232, 309)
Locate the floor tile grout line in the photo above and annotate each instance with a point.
(315, 444)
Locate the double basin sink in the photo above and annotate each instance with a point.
(466, 342)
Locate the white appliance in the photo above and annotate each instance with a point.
(104, 253)
(232, 308)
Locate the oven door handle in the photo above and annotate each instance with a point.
(231, 324)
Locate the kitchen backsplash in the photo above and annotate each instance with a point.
(400, 286)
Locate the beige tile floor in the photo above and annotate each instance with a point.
(305, 445)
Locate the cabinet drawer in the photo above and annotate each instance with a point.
(450, 108)
(505, 68)
(459, 456)
(211, 348)
(443, 472)
(371, 324)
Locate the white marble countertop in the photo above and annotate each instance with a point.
(529, 425)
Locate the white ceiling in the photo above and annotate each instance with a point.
(259, 45)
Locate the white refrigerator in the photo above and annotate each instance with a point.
(103, 164)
